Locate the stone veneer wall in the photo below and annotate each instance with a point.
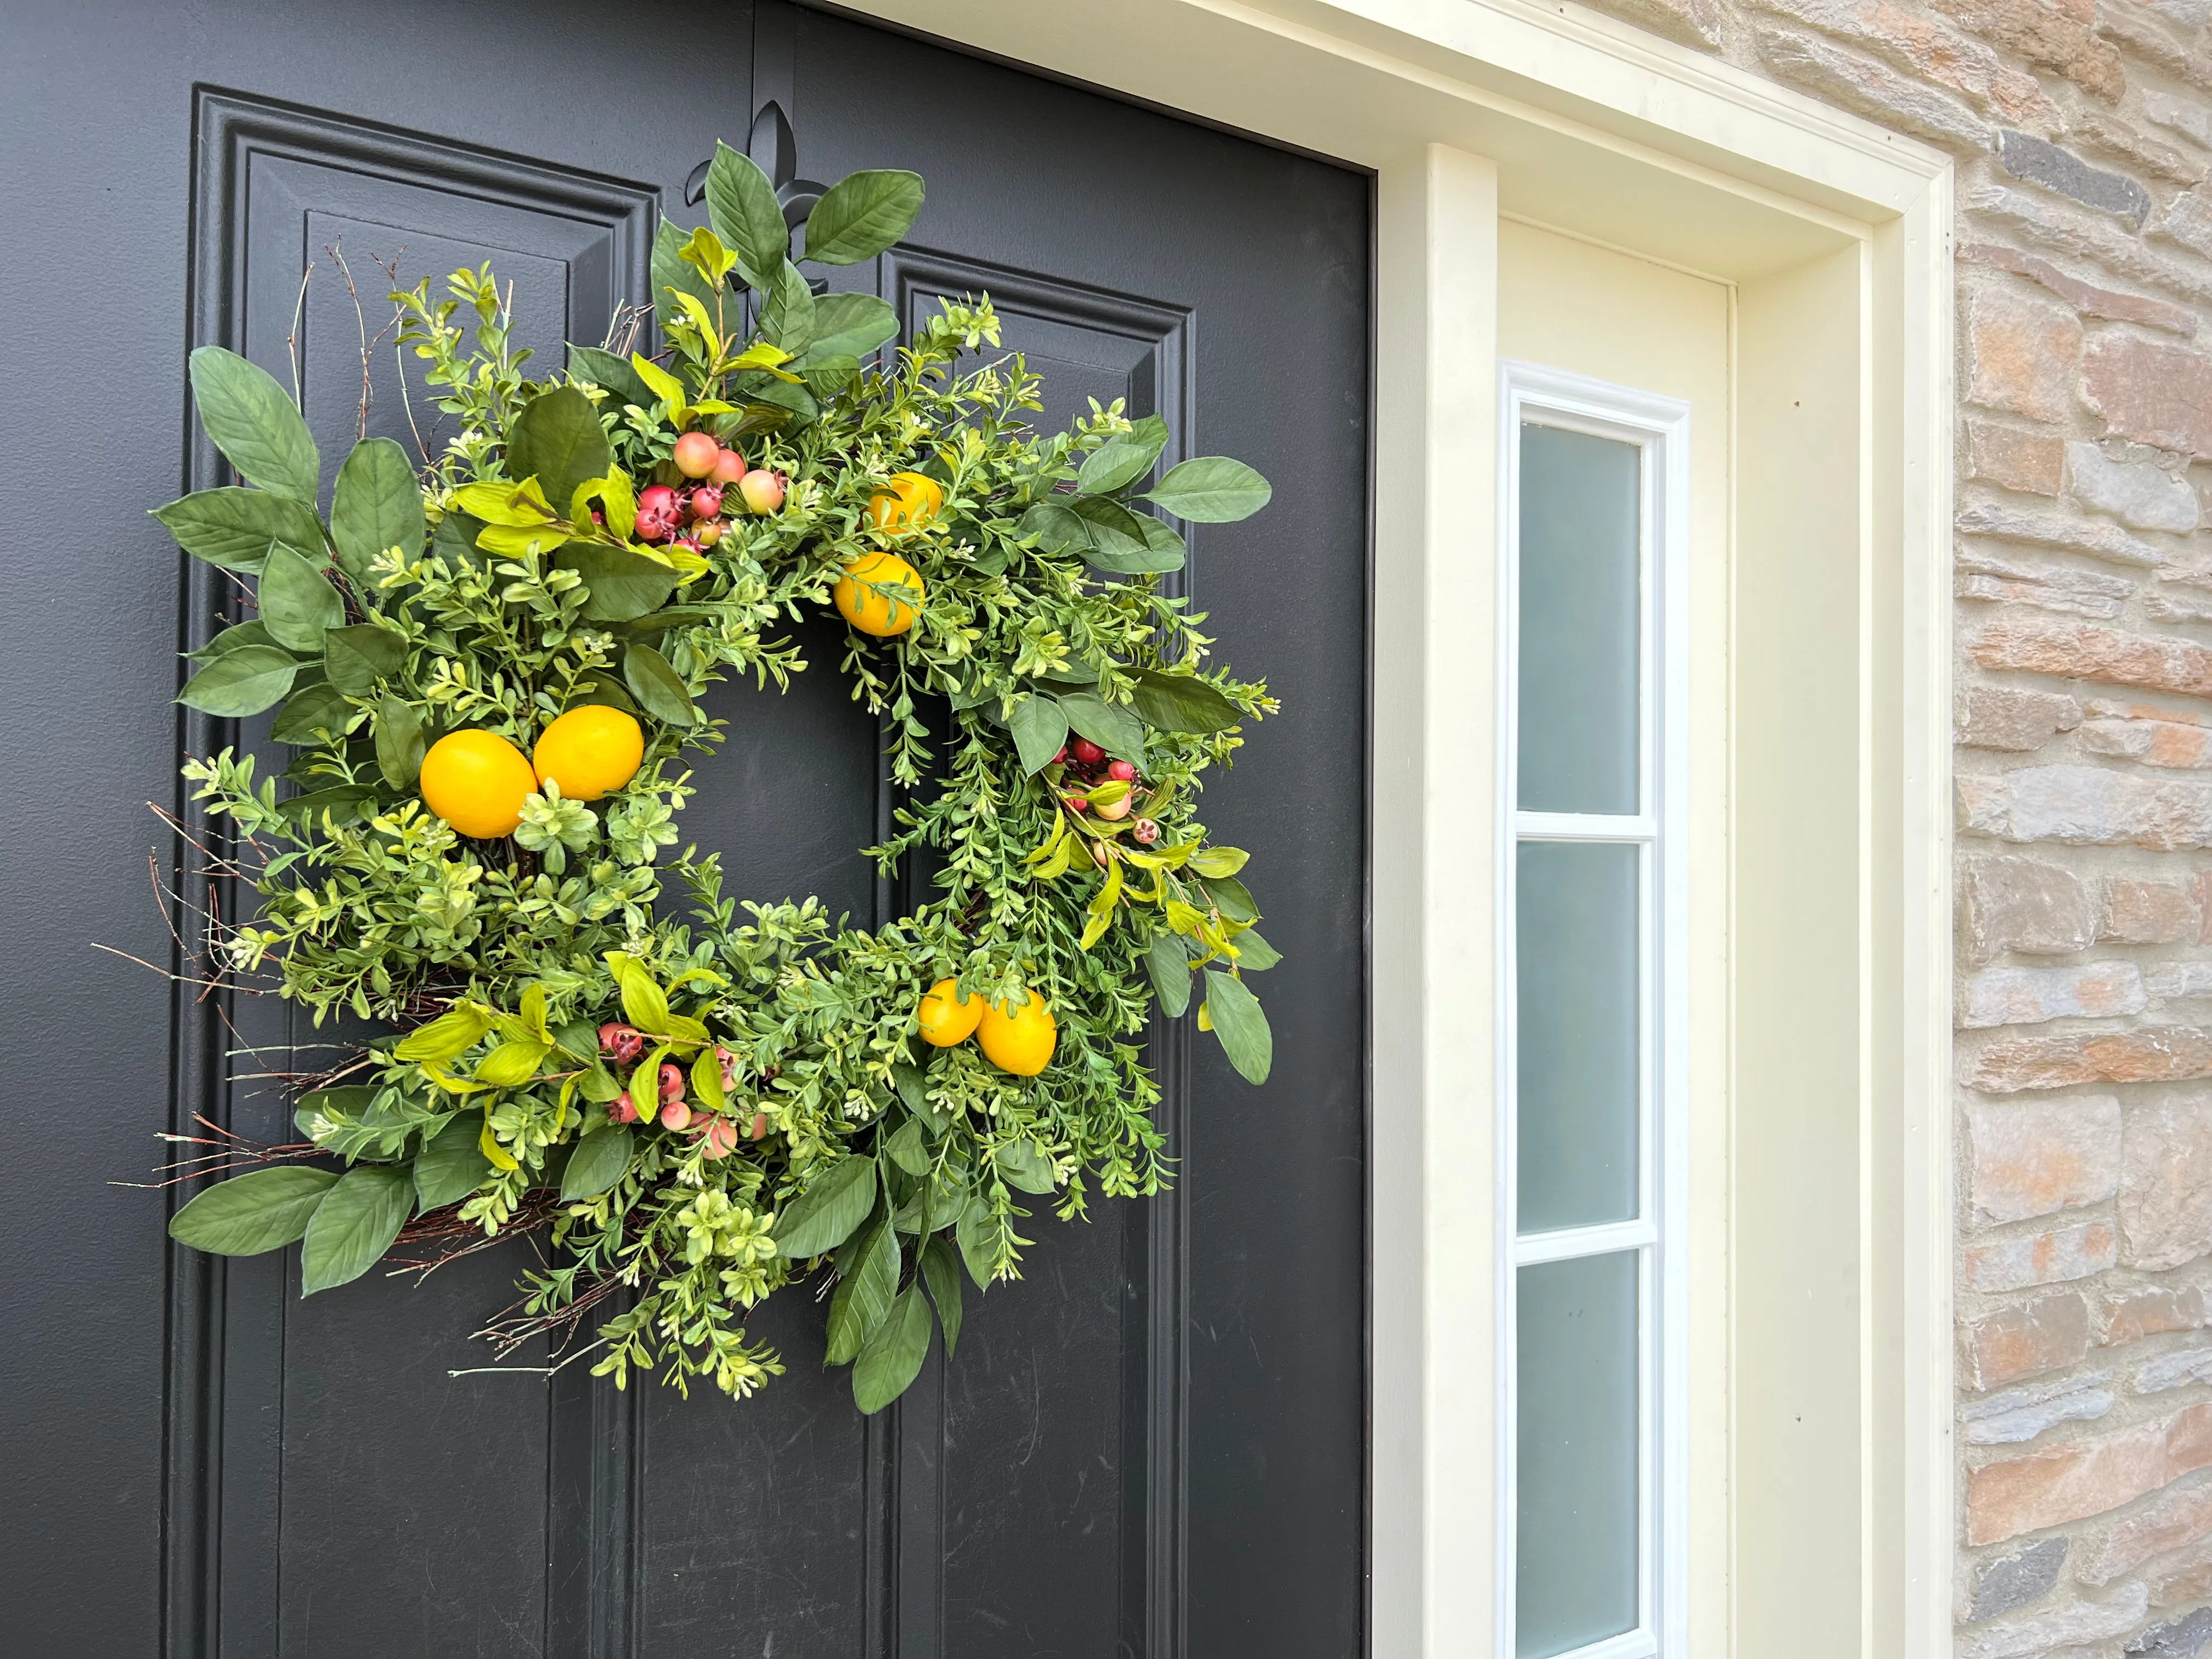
(2082, 130)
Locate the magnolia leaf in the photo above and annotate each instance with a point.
(255, 423)
(1109, 725)
(298, 604)
(1253, 954)
(1040, 727)
(451, 1165)
(671, 270)
(452, 1033)
(787, 319)
(861, 214)
(977, 1235)
(905, 1149)
(376, 504)
(358, 657)
(242, 683)
(609, 373)
(342, 802)
(850, 326)
(261, 1209)
(742, 205)
(599, 1161)
(867, 1280)
(622, 585)
(1123, 460)
(1211, 489)
(892, 1359)
(1021, 1165)
(1230, 896)
(1169, 965)
(659, 689)
(1238, 1019)
(557, 440)
(1057, 529)
(1179, 702)
(941, 1269)
(834, 1201)
(233, 527)
(401, 744)
(312, 714)
(354, 1225)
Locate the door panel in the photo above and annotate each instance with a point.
(1153, 1444)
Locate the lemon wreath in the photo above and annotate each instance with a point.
(490, 670)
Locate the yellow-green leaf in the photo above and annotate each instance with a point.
(488, 1144)
(512, 1063)
(451, 1033)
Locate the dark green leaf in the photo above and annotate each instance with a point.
(850, 326)
(236, 637)
(1122, 460)
(242, 683)
(836, 1201)
(261, 1209)
(659, 689)
(795, 402)
(1238, 1020)
(905, 1149)
(597, 1163)
(1109, 725)
(1057, 528)
(893, 1356)
(557, 440)
(868, 1274)
(298, 604)
(1179, 702)
(598, 687)
(914, 1089)
(400, 744)
(1253, 954)
(233, 527)
(1021, 1165)
(622, 585)
(359, 656)
(742, 207)
(1212, 489)
(455, 540)
(788, 319)
(1169, 965)
(345, 802)
(941, 1269)
(1040, 727)
(354, 1225)
(1114, 530)
(376, 504)
(610, 374)
(826, 377)
(978, 1238)
(671, 270)
(253, 421)
(1230, 896)
(453, 1165)
(312, 714)
(861, 214)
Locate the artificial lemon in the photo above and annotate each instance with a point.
(911, 501)
(1022, 1042)
(946, 1017)
(873, 612)
(477, 781)
(589, 751)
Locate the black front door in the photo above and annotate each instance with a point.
(1153, 1445)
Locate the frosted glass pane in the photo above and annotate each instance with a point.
(1577, 1542)
(1579, 611)
(1577, 1030)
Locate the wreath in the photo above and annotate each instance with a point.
(490, 670)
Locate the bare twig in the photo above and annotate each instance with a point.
(292, 340)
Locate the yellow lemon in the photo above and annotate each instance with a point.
(911, 503)
(946, 1019)
(477, 781)
(873, 612)
(589, 751)
(1022, 1042)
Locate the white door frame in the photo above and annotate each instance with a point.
(1836, 235)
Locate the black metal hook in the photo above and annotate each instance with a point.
(774, 151)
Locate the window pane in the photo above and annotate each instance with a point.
(1577, 1475)
(1579, 615)
(1578, 1030)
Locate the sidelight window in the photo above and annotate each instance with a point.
(1592, 1044)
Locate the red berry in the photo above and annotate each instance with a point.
(1146, 831)
(621, 1109)
(623, 1042)
(657, 512)
(655, 498)
(676, 1114)
(1086, 752)
(696, 453)
(1060, 759)
(706, 501)
(672, 1080)
(1123, 770)
(729, 467)
(688, 544)
(761, 491)
(1079, 803)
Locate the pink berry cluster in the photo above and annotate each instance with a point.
(1085, 765)
(625, 1046)
(690, 516)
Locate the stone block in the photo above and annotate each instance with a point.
(2017, 1580)
(2030, 462)
(2134, 492)
(2166, 1182)
(2171, 982)
(2050, 37)
(2149, 1053)
(2174, 744)
(2047, 1334)
(2050, 1257)
(2151, 1310)
(1859, 82)
(2093, 1476)
(1996, 1422)
(2011, 718)
(2190, 117)
(2084, 651)
(2051, 222)
(2036, 1158)
(2176, 1638)
(2150, 913)
(2115, 137)
(2029, 996)
(2175, 1516)
(2188, 220)
(2159, 395)
(2038, 529)
(2068, 1624)
(2040, 162)
(2087, 805)
(2087, 298)
(1931, 49)
(2175, 1371)
(2019, 904)
(2022, 353)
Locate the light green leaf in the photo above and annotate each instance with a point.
(376, 504)
(1040, 727)
(344, 802)
(1168, 962)
(742, 205)
(512, 1063)
(977, 1235)
(236, 637)
(671, 270)
(1238, 1020)
(453, 1165)
(401, 744)
(905, 1149)
(707, 1080)
(622, 585)
(861, 214)
(254, 422)
(315, 714)
(1124, 459)
(358, 657)
(659, 689)
(298, 604)
(241, 681)
(892, 1359)
(1230, 896)
(354, 1225)
(1057, 529)
(233, 527)
(645, 1005)
(941, 1269)
(597, 1163)
(1022, 1165)
(1253, 954)
(557, 440)
(261, 1209)
(835, 1200)
(787, 319)
(1109, 725)
(1179, 702)
(453, 1032)
(1212, 489)
(1218, 860)
(868, 1274)
(850, 325)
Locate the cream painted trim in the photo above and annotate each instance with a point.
(1466, 109)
